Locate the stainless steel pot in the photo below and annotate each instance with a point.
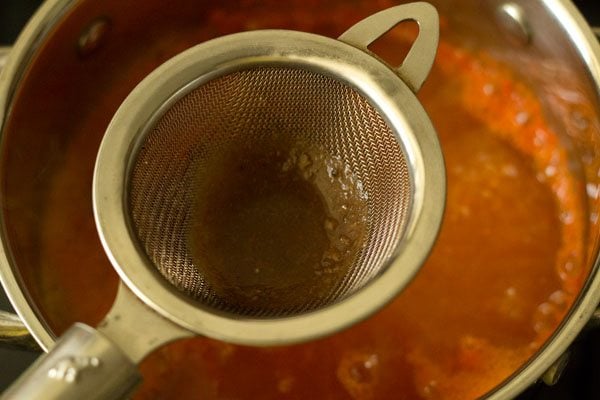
(546, 40)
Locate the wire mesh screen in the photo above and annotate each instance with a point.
(243, 124)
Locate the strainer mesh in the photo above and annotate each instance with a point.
(255, 105)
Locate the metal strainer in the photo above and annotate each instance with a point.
(265, 105)
(219, 101)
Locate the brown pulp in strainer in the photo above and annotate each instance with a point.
(276, 223)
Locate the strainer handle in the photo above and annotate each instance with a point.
(98, 364)
(420, 58)
(83, 364)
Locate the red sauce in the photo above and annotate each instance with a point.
(504, 271)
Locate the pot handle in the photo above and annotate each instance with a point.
(13, 333)
(4, 50)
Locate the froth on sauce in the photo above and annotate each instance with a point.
(277, 224)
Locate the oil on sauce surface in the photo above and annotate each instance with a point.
(501, 276)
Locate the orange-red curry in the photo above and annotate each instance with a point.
(504, 271)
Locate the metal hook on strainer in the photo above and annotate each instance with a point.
(257, 99)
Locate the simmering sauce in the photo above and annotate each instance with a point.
(504, 271)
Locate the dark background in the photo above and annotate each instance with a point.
(580, 381)
(15, 13)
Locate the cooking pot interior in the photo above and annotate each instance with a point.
(92, 54)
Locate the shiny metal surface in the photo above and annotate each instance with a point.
(20, 55)
(123, 322)
(553, 374)
(419, 60)
(513, 20)
(83, 364)
(14, 334)
(4, 52)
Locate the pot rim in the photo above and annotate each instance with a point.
(566, 15)
(588, 48)
(25, 47)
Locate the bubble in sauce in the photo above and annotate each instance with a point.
(430, 391)
(285, 384)
(571, 269)
(545, 318)
(358, 372)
